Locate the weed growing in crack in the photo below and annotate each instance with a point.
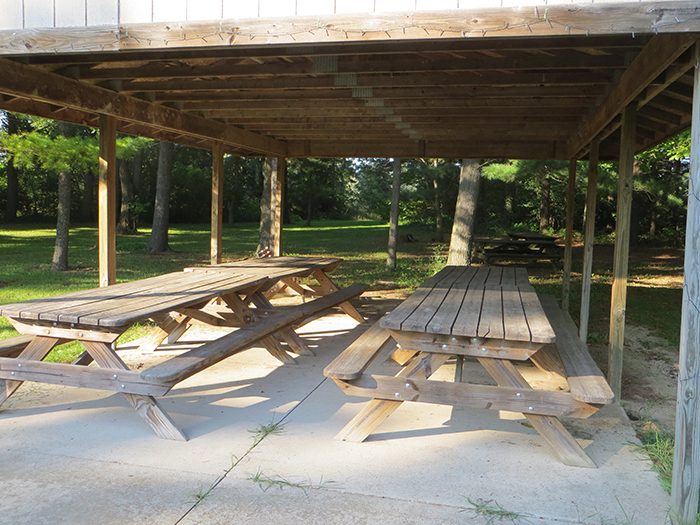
(266, 482)
(493, 512)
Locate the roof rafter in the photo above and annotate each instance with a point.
(25, 81)
(660, 53)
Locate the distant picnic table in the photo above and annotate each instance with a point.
(519, 246)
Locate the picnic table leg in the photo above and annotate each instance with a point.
(174, 326)
(288, 334)
(364, 423)
(146, 406)
(327, 286)
(272, 345)
(549, 427)
(37, 349)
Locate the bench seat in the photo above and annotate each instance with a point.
(586, 381)
(13, 346)
(182, 366)
(355, 359)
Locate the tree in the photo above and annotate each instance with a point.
(158, 242)
(266, 206)
(60, 148)
(465, 212)
(394, 217)
(129, 159)
(12, 127)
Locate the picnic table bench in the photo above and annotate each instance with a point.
(519, 246)
(97, 317)
(494, 316)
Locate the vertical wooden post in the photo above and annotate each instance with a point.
(217, 202)
(589, 239)
(618, 303)
(107, 201)
(686, 462)
(569, 242)
(277, 199)
(394, 217)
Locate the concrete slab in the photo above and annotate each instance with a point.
(84, 456)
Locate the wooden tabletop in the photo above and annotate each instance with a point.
(124, 304)
(274, 267)
(468, 301)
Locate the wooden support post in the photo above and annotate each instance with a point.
(618, 302)
(569, 242)
(107, 201)
(217, 202)
(589, 238)
(686, 463)
(394, 217)
(276, 207)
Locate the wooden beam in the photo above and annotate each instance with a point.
(278, 200)
(348, 48)
(107, 201)
(652, 61)
(217, 203)
(589, 238)
(351, 65)
(569, 78)
(30, 82)
(618, 302)
(586, 19)
(470, 106)
(568, 245)
(686, 462)
(422, 93)
(431, 149)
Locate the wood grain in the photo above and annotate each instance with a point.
(686, 464)
(354, 360)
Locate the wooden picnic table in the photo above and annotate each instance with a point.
(97, 317)
(495, 316)
(519, 246)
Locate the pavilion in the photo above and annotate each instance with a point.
(544, 79)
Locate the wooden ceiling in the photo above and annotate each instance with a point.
(539, 97)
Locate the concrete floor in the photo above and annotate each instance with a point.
(79, 456)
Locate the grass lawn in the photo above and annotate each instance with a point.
(655, 277)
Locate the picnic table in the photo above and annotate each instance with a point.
(97, 317)
(493, 316)
(519, 246)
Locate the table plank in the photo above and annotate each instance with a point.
(430, 306)
(446, 316)
(514, 321)
(540, 329)
(467, 322)
(491, 320)
(395, 318)
(112, 297)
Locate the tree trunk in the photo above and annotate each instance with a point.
(12, 177)
(544, 204)
(87, 205)
(230, 209)
(137, 172)
(159, 231)
(439, 235)
(264, 234)
(465, 214)
(394, 217)
(127, 223)
(60, 252)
